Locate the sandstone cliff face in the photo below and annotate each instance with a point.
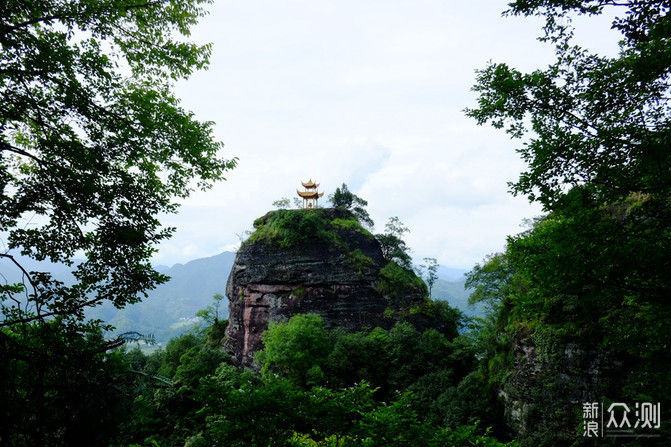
(550, 380)
(334, 272)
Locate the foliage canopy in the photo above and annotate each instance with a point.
(93, 148)
(342, 197)
(597, 132)
(392, 243)
(592, 120)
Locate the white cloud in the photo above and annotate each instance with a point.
(367, 93)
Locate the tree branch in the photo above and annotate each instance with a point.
(23, 270)
(27, 23)
(8, 147)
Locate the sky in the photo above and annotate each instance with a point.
(370, 94)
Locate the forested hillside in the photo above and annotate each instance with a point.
(456, 294)
(374, 387)
(170, 309)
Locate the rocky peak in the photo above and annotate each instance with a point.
(318, 261)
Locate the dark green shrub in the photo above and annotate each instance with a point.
(394, 279)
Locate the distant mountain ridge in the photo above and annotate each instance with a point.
(451, 274)
(170, 309)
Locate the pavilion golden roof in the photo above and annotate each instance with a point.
(310, 194)
(310, 184)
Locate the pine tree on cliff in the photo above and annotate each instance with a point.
(344, 198)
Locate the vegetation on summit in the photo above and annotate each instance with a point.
(287, 228)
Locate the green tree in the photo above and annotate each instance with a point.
(430, 269)
(359, 356)
(392, 243)
(297, 349)
(165, 406)
(597, 162)
(175, 349)
(591, 119)
(211, 313)
(91, 155)
(494, 282)
(282, 204)
(75, 396)
(344, 198)
(243, 410)
(597, 131)
(94, 147)
(215, 327)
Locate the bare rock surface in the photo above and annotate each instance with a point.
(337, 277)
